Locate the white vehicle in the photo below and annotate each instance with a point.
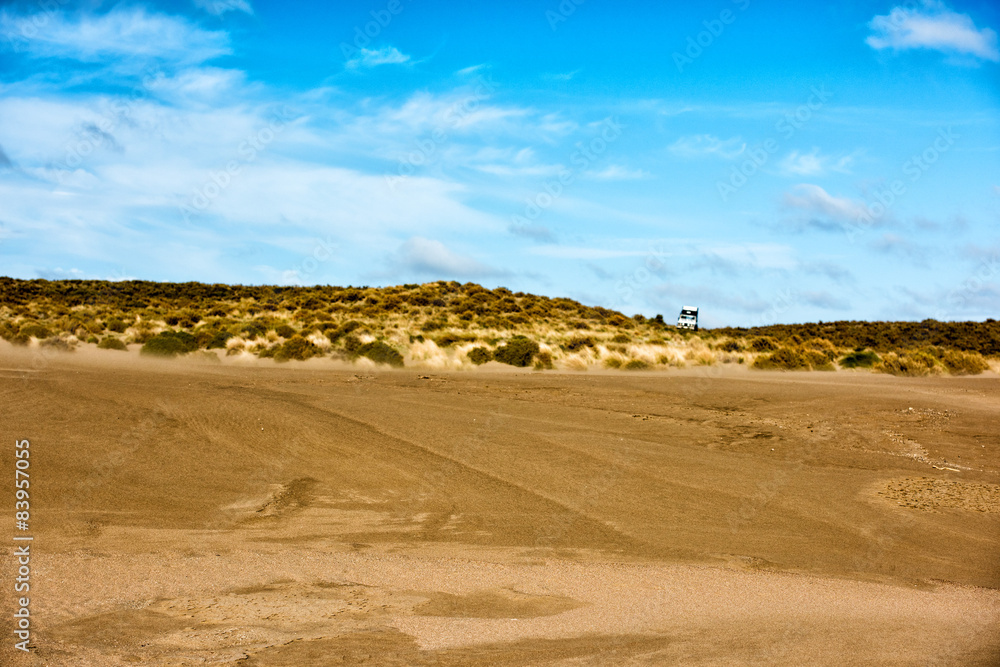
(688, 318)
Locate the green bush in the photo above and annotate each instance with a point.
(116, 325)
(212, 340)
(613, 362)
(784, 358)
(285, 331)
(36, 331)
(859, 359)
(480, 355)
(579, 343)
(636, 365)
(763, 344)
(450, 339)
(519, 351)
(298, 348)
(20, 339)
(621, 338)
(254, 329)
(381, 353)
(112, 343)
(170, 344)
(730, 345)
(343, 330)
(433, 325)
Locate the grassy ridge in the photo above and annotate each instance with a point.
(446, 324)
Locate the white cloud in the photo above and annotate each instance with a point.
(220, 7)
(814, 164)
(617, 172)
(706, 144)
(368, 58)
(935, 27)
(120, 33)
(570, 252)
(427, 256)
(819, 209)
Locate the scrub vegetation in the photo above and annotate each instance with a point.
(449, 325)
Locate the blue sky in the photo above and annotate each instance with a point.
(768, 162)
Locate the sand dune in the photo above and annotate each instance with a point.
(190, 513)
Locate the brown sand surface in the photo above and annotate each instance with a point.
(194, 513)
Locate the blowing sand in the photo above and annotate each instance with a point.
(193, 513)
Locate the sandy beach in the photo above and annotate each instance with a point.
(209, 513)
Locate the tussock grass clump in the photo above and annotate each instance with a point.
(963, 363)
(59, 343)
(636, 365)
(112, 343)
(914, 363)
(169, 344)
(519, 351)
(543, 361)
(818, 360)
(785, 359)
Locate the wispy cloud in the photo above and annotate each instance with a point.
(936, 27)
(220, 7)
(368, 58)
(814, 163)
(818, 209)
(617, 172)
(699, 145)
(430, 257)
(121, 33)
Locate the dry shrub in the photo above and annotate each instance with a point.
(913, 363)
(963, 363)
(818, 360)
(579, 342)
(543, 361)
(785, 358)
(763, 344)
(636, 365)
